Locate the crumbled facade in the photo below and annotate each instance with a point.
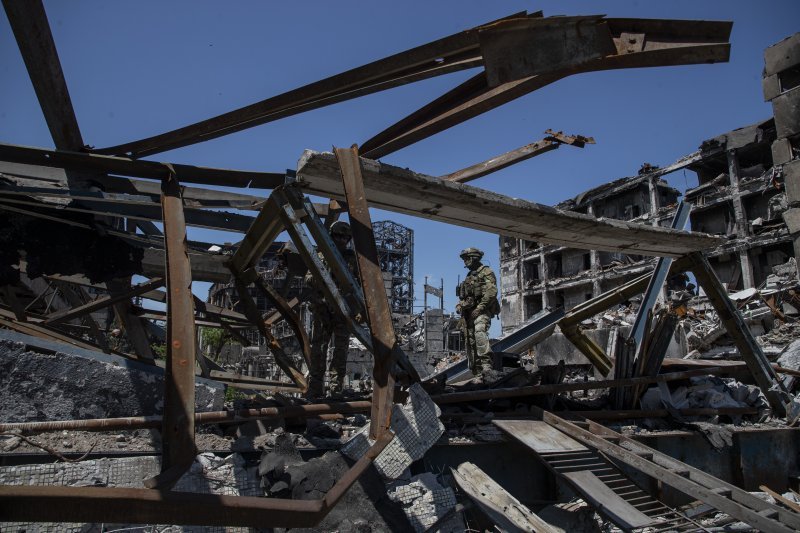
(535, 277)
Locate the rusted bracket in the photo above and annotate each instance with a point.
(379, 315)
(573, 140)
(177, 432)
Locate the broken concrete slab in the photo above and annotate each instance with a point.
(425, 502)
(402, 190)
(41, 380)
(416, 427)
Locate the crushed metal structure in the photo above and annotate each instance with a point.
(109, 198)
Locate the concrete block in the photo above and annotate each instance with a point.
(792, 219)
(771, 86)
(424, 501)
(781, 151)
(791, 179)
(782, 55)
(786, 109)
(58, 382)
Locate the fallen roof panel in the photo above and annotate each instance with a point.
(404, 191)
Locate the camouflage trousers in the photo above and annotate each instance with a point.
(477, 336)
(324, 326)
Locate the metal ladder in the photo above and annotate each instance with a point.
(719, 494)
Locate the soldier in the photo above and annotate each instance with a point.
(477, 305)
(326, 323)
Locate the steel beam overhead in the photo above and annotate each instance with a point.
(32, 31)
(449, 54)
(177, 432)
(82, 162)
(655, 43)
(384, 342)
(404, 191)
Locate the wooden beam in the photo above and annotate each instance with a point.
(102, 301)
(501, 507)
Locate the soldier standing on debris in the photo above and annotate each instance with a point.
(477, 305)
(326, 323)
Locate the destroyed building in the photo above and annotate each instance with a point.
(536, 276)
(137, 434)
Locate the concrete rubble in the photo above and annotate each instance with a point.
(649, 383)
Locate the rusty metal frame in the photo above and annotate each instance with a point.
(379, 316)
(669, 42)
(177, 432)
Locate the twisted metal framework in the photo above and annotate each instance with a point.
(395, 244)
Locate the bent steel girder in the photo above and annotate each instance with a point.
(449, 54)
(636, 43)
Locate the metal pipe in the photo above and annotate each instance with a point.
(212, 417)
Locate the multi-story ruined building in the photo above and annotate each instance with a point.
(535, 277)
(741, 194)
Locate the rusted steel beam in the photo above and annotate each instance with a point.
(660, 43)
(500, 162)
(82, 162)
(384, 342)
(450, 54)
(211, 417)
(538, 390)
(734, 324)
(177, 431)
(103, 504)
(262, 232)
(32, 31)
(145, 211)
(103, 301)
(254, 316)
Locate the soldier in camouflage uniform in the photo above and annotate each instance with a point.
(477, 305)
(326, 323)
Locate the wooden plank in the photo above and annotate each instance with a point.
(506, 511)
(600, 496)
(539, 436)
(404, 191)
(794, 506)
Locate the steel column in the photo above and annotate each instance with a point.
(177, 431)
(384, 342)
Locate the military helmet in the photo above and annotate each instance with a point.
(471, 252)
(340, 227)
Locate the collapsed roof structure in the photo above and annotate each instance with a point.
(102, 198)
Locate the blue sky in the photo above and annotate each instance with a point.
(136, 69)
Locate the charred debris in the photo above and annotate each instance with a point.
(621, 330)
